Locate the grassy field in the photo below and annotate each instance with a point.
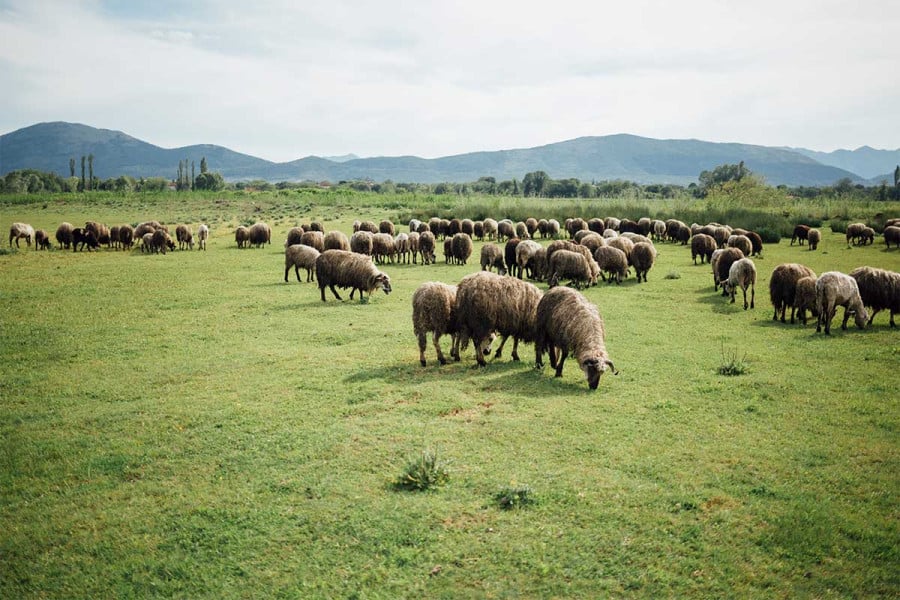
(189, 425)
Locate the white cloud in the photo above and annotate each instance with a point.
(282, 80)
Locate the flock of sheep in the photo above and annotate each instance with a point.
(485, 304)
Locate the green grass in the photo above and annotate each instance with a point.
(189, 425)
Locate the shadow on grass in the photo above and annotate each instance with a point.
(719, 303)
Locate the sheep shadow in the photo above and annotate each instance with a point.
(719, 303)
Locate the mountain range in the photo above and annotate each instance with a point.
(50, 146)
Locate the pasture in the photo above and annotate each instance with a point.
(189, 425)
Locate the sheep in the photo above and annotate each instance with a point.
(64, 235)
(361, 242)
(623, 244)
(532, 225)
(20, 230)
(645, 226)
(454, 227)
(538, 264)
(525, 251)
(567, 323)
(741, 242)
(85, 238)
(659, 229)
(702, 245)
(349, 270)
(202, 236)
(610, 234)
(596, 225)
(315, 226)
(462, 248)
(612, 261)
(813, 236)
(126, 236)
(413, 225)
(100, 230)
(293, 236)
(41, 240)
(581, 234)
(448, 250)
(467, 226)
(413, 242)
(867, 236)
(783, 287)
(635, 237)
(492, 256)
(854, 231)
(509, 255)
(628, 226)
(313, 239)
(543, 228)
(260, 234)
(486, 303)
(741, 274)
(553, 228)
(805, 298)
(401, 247)
(478, 230)
(575, 225)
(682, 234)
(387, 227)
(879, 289)
(522, 231)
(892, 223)
(892, 236)
(490, 229)
(434, 310)
(592, 241)
(147, 243)
(383, 247)
(185, 237)
(114, 236)
(300, 255)
(571, 265)
(336, 240)
(160, 240)
(721, 264)
(756, 242)
(426, 247)
(674, 227)
(643, 255)
(834, 289)
(506, 229)
(612, 223)
(241, 236)
(369, 226)
(800, 234)
(423, 227)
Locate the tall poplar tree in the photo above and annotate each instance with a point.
(91, 170)
(71, 167)
(82, 173)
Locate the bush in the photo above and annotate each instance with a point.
(423, 472)
(839, 225)
(769, 235)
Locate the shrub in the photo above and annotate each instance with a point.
(839, 225)
(423, 472)
(514, 496)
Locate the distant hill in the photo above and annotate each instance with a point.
(49, 146)
(866, 162)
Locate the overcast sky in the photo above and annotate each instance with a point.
(281, 79)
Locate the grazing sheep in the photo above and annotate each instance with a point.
(553, 228)
(467, 226)
(387, 227)
(383, 247)
(613, 262)
(756, 242)
(147, 243)
(635, 237)
(543, 227)
(659, 229)
(293, 236)
(490, 229)
(538, 265)
(426, 247)
(492, 256)
(879, 289)
(349, 270)
(509, 255)
(300, 255)
(522, 231)
(185, 237)
(741, 274)
(610, 234)
(369, 226)
(100, 230)
(64, 235)
(580, 235)
(643, 255)
(160, 241)
(867, 236)
(702, 245)
(835, 289)
(41, 240)
(892, 236)
(202, 236)
(20, 230)
(414, 245)
(478, 230)
(622, 243)
(628, 226)
(783, 287)
(645, 226)
(813, 236)
(567, 323)
(85, 238)
(505, 230)
(612, 223)
(241, 236)
(742, 243)
(126, 237)
(892, 223)
(800, 234)
(114, 236)
(361, 242)
(336, 240)
(805, 298)
(462, 248)
(596, 225)
(854, 231)
(486, 302)
(260, 234)
(448, 250)
(434, 311)
(454, 227)
(592, 241)
(575, 225)
(401, 247)
(313, 239)
(525, 251)
(721, 264)
(571, 265)
(413, 225)
(531, 224)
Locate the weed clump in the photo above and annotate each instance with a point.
(423, 472)
(514, 496)
(732, 364)
(672, 275)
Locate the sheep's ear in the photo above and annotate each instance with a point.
(611, 366)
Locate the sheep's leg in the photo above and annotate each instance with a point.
(287, 270)
(435, 338)
(333, 291)
(872, 316)
(422, 343)
(499, 352)
(479, 352)
(538, 356)
(892, 318)
(515, 352)
(752, 297)
(563, 354)
(296, 272)
(551, 350)
(846, 318)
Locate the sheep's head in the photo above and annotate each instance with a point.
(594, 368)
(861, 317)
(382, 281)
(487, 343)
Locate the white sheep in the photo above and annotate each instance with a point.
(835, 289)
(742, 274)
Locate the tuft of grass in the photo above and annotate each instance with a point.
(423, 472)
(672, 275)
(732, 364)
(514, 496)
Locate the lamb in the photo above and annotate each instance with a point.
(462, 248)
(642, 258)
(383, 247)
(336, 240)
(892, 236)
(525, 251)
(702, 245)
(241, 236)
(800, 235)
(434, 310)
(571, 265)
(426, 247)
(741, 274)
(879, 290)
(835, 289)
(300, 255)
(492, 256)
(313, 239)
(202, 236)
(813, 236)
(184, 236)
(486, 302)
(85, 238)
(361, 242)
(721, 264)
(20, 230)
(64, 235)
(260, 234)
(805, 298)
(612, 261)
(566, 322)
(742, 243)
(783, 287)
(41, 240)
(349, 270)
(147, 243)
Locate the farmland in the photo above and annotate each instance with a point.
(190, 425)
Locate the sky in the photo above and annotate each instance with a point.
(284, 79)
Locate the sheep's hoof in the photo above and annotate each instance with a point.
(422, 362)
(442, 360)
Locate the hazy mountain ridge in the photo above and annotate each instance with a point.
(49, 146)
